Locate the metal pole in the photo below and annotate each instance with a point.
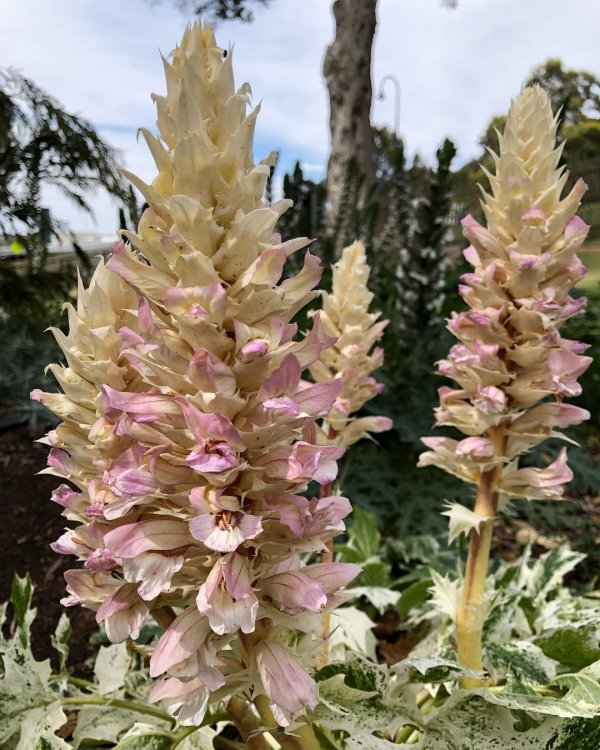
(381, 96)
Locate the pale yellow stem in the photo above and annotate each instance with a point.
(247, 724)
(469, 620)
(302, 738)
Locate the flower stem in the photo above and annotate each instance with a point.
(327, 557)
(302, 738)
(164, 616)
(247, 724)
(469, 621)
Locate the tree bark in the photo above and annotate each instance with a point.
(347, 71)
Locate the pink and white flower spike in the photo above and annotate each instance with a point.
(187, 432)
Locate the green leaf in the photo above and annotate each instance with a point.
(375, 573)
(413, 596)
(364, 536)
(577, 734)
(21, 594)
(523, 659)
(60, 640)
(574, 644)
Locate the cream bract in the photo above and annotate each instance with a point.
(354, 356)
(512, 367)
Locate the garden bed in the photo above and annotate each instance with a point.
(30, 523)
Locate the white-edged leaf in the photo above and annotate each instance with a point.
(351, 630)
(60, 640)
(335, 690)
(365, 741)
(111, 667)
(429, 670)
(102, 724)
(549, 570)
(38, 729)
(467, 723)
(381, 598)
(24, 687)
(201, 739)
(144, 736)
(523, 659)
(445, 594)
(462, 520)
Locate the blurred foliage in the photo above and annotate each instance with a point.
(29, 304)
(576, 94)
(215, 11)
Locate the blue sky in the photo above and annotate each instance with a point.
(456, 68)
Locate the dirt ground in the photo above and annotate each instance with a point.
(29, 523)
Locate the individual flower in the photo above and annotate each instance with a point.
(353, 357)
(187, 429)
(512, 368)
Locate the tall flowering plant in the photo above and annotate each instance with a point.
(187, 431)
(354, 356)
(512, 368)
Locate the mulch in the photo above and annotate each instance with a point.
(30, 521)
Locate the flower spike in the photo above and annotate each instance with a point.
(512, 368)
(187, 429)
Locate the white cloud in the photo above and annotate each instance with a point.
(456, 68)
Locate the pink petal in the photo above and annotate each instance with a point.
(183, 637)
(284, 380)
(332, 576)
(214, 426)
(132, 539)
(286, 683)
(141, 407)
(294, 592)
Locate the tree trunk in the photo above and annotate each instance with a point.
(347, 70)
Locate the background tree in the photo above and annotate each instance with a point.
(43, 145)
(583, 142)
(220, 10)
(347, 71)
(576, 93)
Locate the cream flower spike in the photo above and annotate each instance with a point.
(188, 432)
(352, 358)
(512, 367)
